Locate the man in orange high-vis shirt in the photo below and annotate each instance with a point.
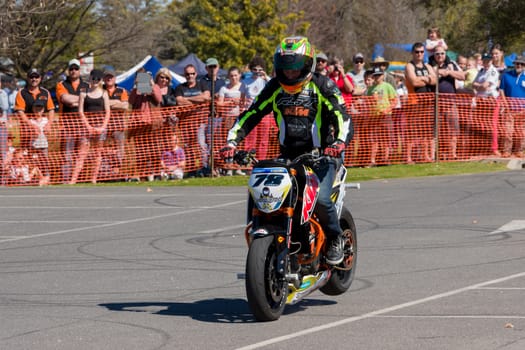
(24, 101)
(68, 92)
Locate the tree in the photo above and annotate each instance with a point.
(47, 34)
(472, 26)
(234, 31)
(503, 20)
(40, 35)
(128, 31)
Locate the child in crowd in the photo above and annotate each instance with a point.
(369, 81)
(10, 152)
(39, 143)
(472, 71)
(20, 171)
(434, 40)
(173, 161)
(385, 97)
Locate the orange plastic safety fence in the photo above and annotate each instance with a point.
(416, 128)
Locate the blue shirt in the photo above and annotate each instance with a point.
(513, 84)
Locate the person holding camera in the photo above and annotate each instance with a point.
(344, 81)
(255, 81)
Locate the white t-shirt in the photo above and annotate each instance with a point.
(41, 139)
(492, 76)
(254, 87)
(235, 93)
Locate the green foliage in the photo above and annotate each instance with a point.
(505, 21)
(46, 34)
(468, 25)
(234, 31)
(461, 29)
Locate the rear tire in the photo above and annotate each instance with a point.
(265, 289)
(343, 274)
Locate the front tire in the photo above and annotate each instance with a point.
(343, 274)
(266, 290)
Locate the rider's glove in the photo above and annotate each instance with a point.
(335, 149)
(228, 152)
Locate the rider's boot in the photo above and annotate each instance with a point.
(334, 253)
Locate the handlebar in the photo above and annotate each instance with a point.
(312, 158)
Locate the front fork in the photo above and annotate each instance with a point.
(282, 240)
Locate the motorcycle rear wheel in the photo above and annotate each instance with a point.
(343, 274)
(265, 289)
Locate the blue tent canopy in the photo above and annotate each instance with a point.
(199, 65)
(190, 59)
(150, 64)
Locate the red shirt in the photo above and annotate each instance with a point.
(341, 84)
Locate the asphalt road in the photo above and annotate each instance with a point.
(441, 265)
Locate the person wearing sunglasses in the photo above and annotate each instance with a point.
(68, 96)
(24, 101)
(195, 91)
(192, 91)
(448, 73)
(512, 94)
(420, 79)
(321, 63)
(358, 74)
(212, 69)
(94, 111)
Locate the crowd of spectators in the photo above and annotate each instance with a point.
(484, 77)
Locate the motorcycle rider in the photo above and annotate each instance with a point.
(311, 115)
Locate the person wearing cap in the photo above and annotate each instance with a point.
(67, 93)
(24, 104)
(384, 64)
(385, 99)
(212, 68)
(486, 89)
(118, 103)
(94, 111)
(321, 63)
(486, 83)
(512, 94)
(358, 74)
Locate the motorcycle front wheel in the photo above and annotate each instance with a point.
(343, 274)
(266, 290)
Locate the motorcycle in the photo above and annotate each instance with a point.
(285, 260)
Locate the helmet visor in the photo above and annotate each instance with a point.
(292, 62)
